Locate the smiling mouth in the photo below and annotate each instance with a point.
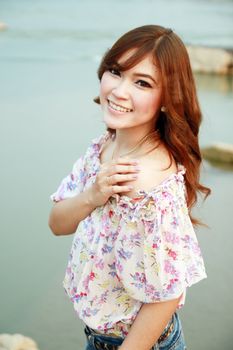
(118, 108)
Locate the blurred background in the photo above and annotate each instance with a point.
(49, 54)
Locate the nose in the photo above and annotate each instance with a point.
(121, 90)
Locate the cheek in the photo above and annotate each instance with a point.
(156, 101)
(150, 104)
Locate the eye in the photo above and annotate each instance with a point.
(114, 71)
(143, 83)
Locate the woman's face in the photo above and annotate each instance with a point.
(131, 98)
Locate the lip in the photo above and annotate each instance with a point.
(126, 109)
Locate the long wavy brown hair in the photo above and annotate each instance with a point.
(179, 123)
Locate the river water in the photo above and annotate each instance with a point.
(48, 61)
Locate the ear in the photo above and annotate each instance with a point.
(97, 100)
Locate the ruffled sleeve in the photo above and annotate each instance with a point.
(166, 258)
(83, 172)
(73, 183)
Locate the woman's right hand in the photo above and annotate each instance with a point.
(112, 178)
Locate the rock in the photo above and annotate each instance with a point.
(3, 26)
(211, 60)
(220, 152)
(16, 342)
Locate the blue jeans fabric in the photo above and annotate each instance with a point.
(174, 341)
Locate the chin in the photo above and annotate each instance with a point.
(111, 123)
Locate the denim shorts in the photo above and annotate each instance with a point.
(172, 338)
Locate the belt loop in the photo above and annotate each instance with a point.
(89, 336)
(94, 339)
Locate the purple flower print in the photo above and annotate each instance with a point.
(191, 272)
(124, 254)
(106, 249)
(103, 297)
(90, 234)
(118, 289)
(71, 186)
(112, 271)
(151, 291)
(119, 266)
(135, 239)
(139, 279)
(99, 263)
(72, 177)
(88, 312)
(171, 237)
(113, 236)
(169, 268)
(191, 244)
(172, 284)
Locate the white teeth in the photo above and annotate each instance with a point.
(118, 108)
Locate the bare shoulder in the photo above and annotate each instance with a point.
(155, 168)
(162, 163)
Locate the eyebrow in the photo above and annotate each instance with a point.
(144, 75)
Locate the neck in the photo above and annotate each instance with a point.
(127, 142)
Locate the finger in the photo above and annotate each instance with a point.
(116, 178)
(123, 169)
(120, 189)
(124, 160)
(108, 180)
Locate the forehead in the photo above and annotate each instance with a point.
(146, 64)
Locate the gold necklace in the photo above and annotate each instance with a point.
(144, 139)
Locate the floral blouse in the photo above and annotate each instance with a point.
(129, 251)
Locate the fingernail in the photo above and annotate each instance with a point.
(137, 168)
(135, 161)
(135, 176)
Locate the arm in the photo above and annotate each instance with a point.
(149, 325)
(66, 214)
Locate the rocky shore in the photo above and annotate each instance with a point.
(211, 59)
(17, 342)
(220, 153)
(3, 26)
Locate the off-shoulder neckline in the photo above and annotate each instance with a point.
(140, 194)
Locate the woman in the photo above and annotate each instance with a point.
(129, 198)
